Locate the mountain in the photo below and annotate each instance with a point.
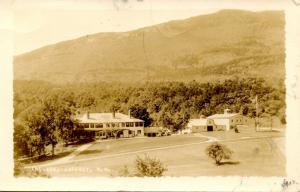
(205, 48)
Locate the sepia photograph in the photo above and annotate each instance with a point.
(130, 92)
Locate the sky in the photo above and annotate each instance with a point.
(39, 23)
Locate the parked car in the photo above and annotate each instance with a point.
(168, 132)
(165, 132)
(185, 131)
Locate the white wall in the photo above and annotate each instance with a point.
(223, 122)
(135, 129)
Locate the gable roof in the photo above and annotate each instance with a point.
(106, 118)
(197, 122)
(223, 115)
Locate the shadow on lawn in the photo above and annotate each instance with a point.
(230, 163)
(57, 156)
(80, 142)
(47, 157)
(86, 152)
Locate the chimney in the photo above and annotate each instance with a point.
(226, 111)
(87, 114)
(114, 114)
(129, 113)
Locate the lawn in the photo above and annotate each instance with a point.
(244, 133)
(106, 147)
(184, 155)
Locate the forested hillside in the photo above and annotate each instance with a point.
(167, 103)
(205, 48)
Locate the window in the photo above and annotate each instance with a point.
(107, 125)
(129, 124)
(139, 132)
(136, 124)
(99, 125)
(123, 125)
(85, 125)
(92, 125)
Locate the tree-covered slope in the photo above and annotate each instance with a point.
(168, 104)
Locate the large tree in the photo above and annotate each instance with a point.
(141, 112)
(28, 139)
(57, 120)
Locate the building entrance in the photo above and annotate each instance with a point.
(210, 128)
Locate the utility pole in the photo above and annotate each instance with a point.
(256, 113)
(271, 123)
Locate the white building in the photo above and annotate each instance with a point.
(230, 120)
(204, 124)
(217, 122)
(103, 125)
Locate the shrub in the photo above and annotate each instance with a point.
(149, 167)
(217, 152)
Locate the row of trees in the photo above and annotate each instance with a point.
(43, 111)
(43, 124)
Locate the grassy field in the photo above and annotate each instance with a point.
(255, 154)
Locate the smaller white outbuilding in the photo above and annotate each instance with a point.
(217, 122)
(204, 124)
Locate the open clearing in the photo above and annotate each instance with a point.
(255, 154)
